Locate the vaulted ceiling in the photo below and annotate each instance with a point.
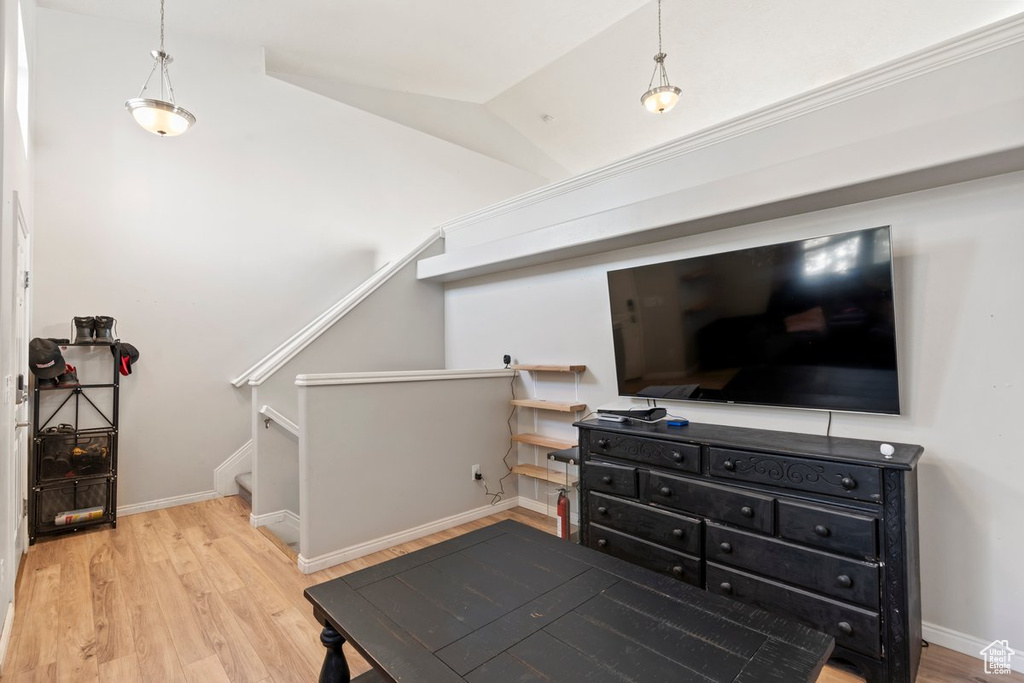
(553, 86)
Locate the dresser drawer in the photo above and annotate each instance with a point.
(839, 577)
(836, 530)
(750, 510)
(645, 554)
(668, 529)
(833, 478)
(852, 627)
(668, 454)
(603, 476)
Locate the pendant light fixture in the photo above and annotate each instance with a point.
(661, 97)
(160, 116)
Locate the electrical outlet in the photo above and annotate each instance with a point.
(477, 474)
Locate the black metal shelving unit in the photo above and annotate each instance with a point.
(71, 467)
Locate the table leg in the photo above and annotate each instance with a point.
(335, 668)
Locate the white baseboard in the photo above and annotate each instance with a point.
(280, 516)
(964, 644)
(224, 476)
(544, 509)
(136, 508)
(308, 565)
(5, 635)
(291, 520)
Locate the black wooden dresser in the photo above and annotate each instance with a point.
(822, 529)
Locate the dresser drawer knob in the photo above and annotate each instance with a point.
(821, 530)
(844, 581)
(677, 456)
(726, 547)
(602, 510)
(677, 570)
(729, 465)
(845, 628)
(665, 491)
(603, 443)
(606, 479)
(678, 533)
(725, 587)
(602, 542)
(747, 511)
(849, 483)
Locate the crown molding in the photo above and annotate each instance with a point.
(967, 46)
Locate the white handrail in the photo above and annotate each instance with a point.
(280, 419)
(334, 378)
(275, 360)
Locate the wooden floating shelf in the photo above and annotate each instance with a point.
(551, 368)
(541, 440)
(548, 405)
(544, 474)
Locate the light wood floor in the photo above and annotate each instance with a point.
(195, 594)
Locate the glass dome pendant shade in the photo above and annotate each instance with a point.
(659, 99)
(160, 116)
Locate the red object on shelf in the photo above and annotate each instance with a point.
(563, 514)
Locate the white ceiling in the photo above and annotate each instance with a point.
(468, 50)
(730, 57)
(504, 64)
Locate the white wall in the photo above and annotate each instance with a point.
(400, 326)
(388, 457)
(212, 248)
(960, 289)
(16, 177)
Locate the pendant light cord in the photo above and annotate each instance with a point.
(162, 24)
(658, 24)
(659, 59)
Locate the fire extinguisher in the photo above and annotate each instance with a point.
(563, 514)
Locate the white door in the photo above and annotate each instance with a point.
(22, 425)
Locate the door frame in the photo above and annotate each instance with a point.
(21, 260)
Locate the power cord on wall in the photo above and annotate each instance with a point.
(828, 430)
(497, 495)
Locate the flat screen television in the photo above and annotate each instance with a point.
(806, 324)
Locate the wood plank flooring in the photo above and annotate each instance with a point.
(195, 594)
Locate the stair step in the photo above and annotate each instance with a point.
(244, 481)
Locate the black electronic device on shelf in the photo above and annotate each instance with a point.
(641, 414)
(73, 468)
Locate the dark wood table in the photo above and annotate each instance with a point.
(511, 603)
